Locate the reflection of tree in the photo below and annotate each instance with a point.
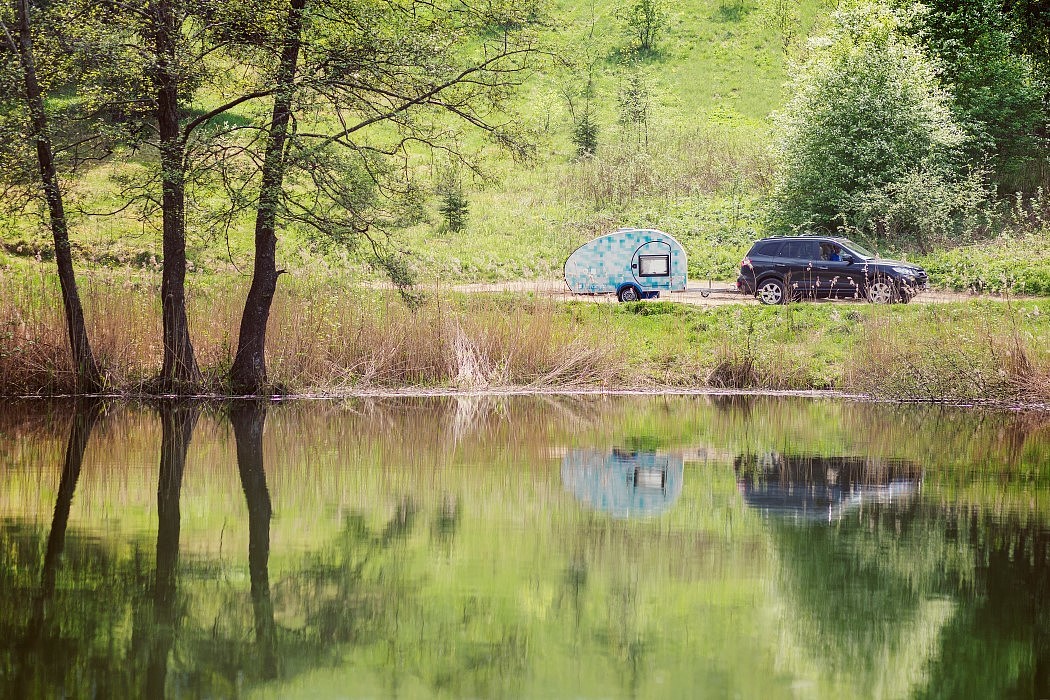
(248, 419)
(83, 422)
(84, 419)
(178, 420)
(998, 643)
(918, 598)
(855, 591)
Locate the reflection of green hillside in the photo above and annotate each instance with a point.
(862, 599)
(917, 602)
(428, 548)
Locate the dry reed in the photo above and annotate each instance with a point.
(978, 357)
(323, 336)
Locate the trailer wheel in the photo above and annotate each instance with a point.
(628, 293)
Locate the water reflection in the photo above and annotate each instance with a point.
(817, 487)
(248, 419)
(429, 548)
(36, 646)
(623, 482)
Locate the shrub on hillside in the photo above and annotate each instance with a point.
(869, 146)
(643, 22)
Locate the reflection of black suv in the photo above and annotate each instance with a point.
(793, 267)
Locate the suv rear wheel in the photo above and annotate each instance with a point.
(771, 291)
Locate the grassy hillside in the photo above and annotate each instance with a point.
(696, 167)
(699, 167)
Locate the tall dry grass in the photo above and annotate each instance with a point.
(323, 336)
(975, 355)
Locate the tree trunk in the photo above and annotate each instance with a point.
(248, 373)
(248, 419)
(88, 375)
(179, 373)
(178, 421)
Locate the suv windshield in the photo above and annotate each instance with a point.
(858, 249)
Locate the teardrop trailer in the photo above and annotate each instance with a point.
(630, 263)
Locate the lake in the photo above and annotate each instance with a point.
(545, 546)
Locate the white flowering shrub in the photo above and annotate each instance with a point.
(868, 144)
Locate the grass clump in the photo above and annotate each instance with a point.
(988, 352)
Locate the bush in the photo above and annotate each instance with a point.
(643, 22)
(997, 97)
(869, 145)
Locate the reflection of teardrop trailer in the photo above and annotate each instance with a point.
(624, 483)
(630, 263)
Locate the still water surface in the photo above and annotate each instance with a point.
(524, 547)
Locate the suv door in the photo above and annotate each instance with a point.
(801, 257)
(834, 276)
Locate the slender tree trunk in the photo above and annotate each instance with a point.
(248, 420)
(178, 420)
(88, 376)
(179, 373)
(248, 374)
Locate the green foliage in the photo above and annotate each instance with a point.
(635, 100)
(1005, 264)
(997, 97)
(782, 15)
(869, 146)
(454, 206)
(643, 23)
(585, 135)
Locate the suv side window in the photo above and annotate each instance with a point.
(801, 250)
(768, 249)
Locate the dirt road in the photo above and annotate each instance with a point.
(718, 293)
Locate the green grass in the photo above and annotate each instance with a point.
(1011, 265)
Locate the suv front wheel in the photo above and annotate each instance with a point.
(882, 291)
(771, 291)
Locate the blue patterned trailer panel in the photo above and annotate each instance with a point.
(650, 260)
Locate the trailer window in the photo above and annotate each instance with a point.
(654, 265)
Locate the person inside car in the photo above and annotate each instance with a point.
(830, 252)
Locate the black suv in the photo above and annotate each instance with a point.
(795, 267)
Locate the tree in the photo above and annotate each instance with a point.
(388, 88)
(996, 96)
(635, 102)
(88, 374)
(181, 46)
(643, 22)
(869, 143)
(454, 206)
(248, 372)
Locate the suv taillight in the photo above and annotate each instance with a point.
(746, 262)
